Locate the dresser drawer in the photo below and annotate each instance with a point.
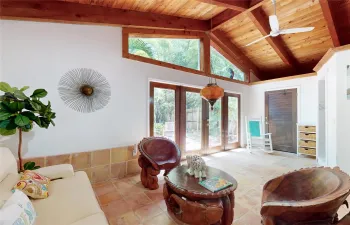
(307, 136)
(308, 151)
(307, 129)
(308, 144)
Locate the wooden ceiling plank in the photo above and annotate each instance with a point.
(231, 4)
(223, 17)
(261, 22)
(252, 5)
(238, 58)
(59, 11)
(327, 13)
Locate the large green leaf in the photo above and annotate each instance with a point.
(16, 106)
(12, 125)
(5, 87)
(5, 106)
(30, 115)
(39, 93)
(29, 165)
(21, 120)
(4, 115)
(35, 105)
(20, 95)
(24, 88)
(4, 123)
(5, 132)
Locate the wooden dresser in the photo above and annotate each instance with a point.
(307, 140)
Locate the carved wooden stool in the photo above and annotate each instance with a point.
(157, 153)
(193, 204)
(307, 196)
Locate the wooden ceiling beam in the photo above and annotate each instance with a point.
(223, 17)
(240, 5)
(60, 11)
(328, 16)
(260, 20)
(236, 55)
(227, 15)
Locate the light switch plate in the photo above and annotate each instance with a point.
(134, 152)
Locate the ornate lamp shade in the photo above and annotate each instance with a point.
(212, 92)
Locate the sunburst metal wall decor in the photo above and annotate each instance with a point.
(84, 90)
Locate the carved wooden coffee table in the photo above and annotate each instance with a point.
(193, 204)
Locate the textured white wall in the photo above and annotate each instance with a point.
(343, 110)
(38, 54)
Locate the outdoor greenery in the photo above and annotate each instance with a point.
(18, 112)
(182, 52)
(222, 67)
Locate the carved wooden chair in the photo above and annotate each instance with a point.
(305, 197)
(157, 153)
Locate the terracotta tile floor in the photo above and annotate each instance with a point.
(127, 202)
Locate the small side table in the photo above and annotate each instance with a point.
(193, 204)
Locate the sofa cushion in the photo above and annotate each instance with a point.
(21, 209)
(8, 163)
(6, 186)
(33, 184)
(71, 200)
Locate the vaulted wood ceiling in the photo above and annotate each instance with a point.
(233, 23)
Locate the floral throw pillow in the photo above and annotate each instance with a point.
(33, 184)
(18, 210)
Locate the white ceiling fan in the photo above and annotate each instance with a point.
(275, 28)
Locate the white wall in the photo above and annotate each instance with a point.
(343, 111)
(337, 110)
(307, 98)
(38, 54)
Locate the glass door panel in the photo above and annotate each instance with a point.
(233, 120)
(164, 113)
(215, 125)
(193, 121)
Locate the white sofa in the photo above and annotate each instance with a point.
(71, 202)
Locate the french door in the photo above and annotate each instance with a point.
(180, 114)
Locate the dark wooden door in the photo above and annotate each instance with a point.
(281, 116)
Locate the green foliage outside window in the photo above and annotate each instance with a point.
(182, 52)
(222, 67)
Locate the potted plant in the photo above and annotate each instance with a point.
(18, 112)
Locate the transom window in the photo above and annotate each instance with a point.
(222, 67)
(181, 52)
(189, 51)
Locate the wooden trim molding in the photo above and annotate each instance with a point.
(329, 54)
(284, 78)
(75, 13)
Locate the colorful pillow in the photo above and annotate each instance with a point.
(33, 184)
(18, 210)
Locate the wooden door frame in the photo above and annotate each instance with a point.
(297, 91)
(177, 107)
(228, 146)
(183, 115)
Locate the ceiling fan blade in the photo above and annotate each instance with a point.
(257, 40)
(274, 24)
(296, 30)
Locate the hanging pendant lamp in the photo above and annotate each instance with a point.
(212, 92)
